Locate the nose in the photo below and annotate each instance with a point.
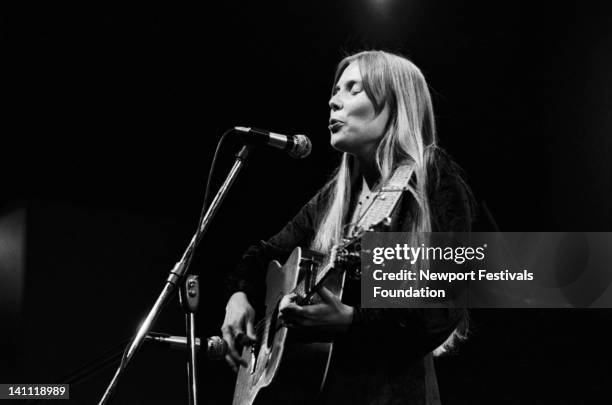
(334, 103)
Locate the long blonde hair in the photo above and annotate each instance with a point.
(409, 138)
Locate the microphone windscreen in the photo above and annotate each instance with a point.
(301, 147)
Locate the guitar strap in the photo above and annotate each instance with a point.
(385, 200)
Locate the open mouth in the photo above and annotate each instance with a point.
(335, 125)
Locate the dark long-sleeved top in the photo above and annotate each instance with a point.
(385, 356)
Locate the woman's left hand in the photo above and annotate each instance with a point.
(330, 313)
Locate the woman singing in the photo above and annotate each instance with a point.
(381, 117)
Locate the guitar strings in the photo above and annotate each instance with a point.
(261, 324)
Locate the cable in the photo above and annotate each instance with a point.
(210, 176)
(122, 364)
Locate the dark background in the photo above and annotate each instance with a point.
(110, 119)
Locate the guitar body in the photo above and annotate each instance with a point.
(285, 366)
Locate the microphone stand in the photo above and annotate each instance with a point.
(176, 275)
(190, 297)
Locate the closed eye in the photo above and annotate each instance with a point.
(350, 86)
(356, 87)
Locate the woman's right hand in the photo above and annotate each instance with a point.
(238, 328)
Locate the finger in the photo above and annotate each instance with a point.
(293, 320)
(240, 342)
(315, 310)
(293, 323)
(243, 341)
(326, 295)
(236, 353)
(238, 335)
(251, 331)
(287, 300)
(231, 344)
(226, 332)
(292, 308)
(284, 322)
(238, 330)
(230, 361)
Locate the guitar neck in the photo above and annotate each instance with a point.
(315, 272)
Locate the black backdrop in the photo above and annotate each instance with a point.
(112, 113)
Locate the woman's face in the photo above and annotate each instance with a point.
(354, 125)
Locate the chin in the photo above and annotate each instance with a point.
(338, 142)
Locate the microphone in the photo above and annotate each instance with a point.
(297, 146)
(216, 348)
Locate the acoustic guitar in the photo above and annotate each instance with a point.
(290, 366)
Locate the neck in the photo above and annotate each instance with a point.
(369, 171)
